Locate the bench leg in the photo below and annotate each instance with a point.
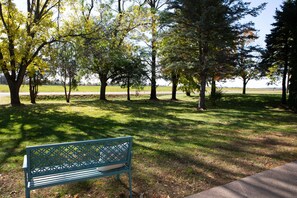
(130, 183)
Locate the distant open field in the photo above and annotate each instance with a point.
(59, 88)
(96, 89)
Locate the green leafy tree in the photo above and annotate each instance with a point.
(174, 59)
(108, 29)
(211, 27)
(35, 72)
(65, 66)
(149, 35)
(247, 57)
(130, 72)
(23, 36)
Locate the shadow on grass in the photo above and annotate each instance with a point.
(173, 142)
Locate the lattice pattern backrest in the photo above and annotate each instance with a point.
(78, 155)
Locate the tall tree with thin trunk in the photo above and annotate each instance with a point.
(247, 57)
(154, 8)
(279, 44)
(292, 22)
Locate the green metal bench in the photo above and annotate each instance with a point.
(56, 164)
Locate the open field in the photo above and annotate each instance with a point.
(96, 89)
(177, 150)
(59, 88)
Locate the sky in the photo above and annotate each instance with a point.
(262, 24)
(265, 19)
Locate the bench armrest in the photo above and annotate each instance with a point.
(25, 166)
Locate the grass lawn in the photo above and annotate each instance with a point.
(177, 150)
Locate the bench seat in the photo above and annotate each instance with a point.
(72, 176)
(55, 164)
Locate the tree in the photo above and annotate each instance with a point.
(279, 48)
(35, 73)
(247, 57)
(291, 13)
(65, 66)
(23, 36)
(195, 17)
(108, 30)
(152, 23)
(211, 27)
(130, 72)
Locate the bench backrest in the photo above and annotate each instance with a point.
(64, 157)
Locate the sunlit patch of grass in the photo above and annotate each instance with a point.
(83, 88)
(177, 150)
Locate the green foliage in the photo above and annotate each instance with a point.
(292, 23)
(216, 97)
(64, 61)
(281, 43)
(23, 37)
(203, 34)
(247, 57)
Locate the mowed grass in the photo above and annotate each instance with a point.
(177, 150)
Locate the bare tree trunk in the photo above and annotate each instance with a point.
(14, 94)
(174, 85)
(188, 93)
(67, 94)
(128, 89)
(213, 87)
(153, 95)
(284, 83)
(33, 89)
(103, 80)
(244, 86)
(14, 85)
(202, 102)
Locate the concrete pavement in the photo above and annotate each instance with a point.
(280, 182)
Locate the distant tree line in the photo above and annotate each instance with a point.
(191, 43)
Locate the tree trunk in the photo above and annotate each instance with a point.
(284, 83)
(14, 85)
(103, 80)
(174, 85)
(153, 95)
(14, 89)
(244, 86)
(128, 89)
(188, 93)
(32, 89)
(67, 95)
(213, 87)
(202, 103)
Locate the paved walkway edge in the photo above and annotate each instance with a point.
(280, 182)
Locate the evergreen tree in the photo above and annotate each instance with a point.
(292, 14)
(211, 28)
(279, 49)
(280, 56)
